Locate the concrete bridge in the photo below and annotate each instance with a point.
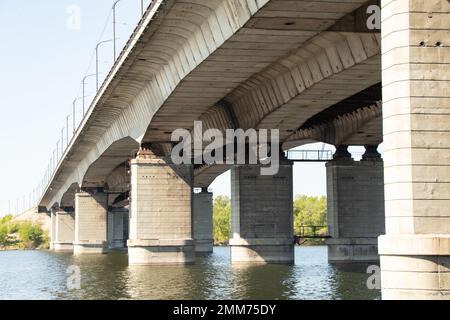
(315, 70)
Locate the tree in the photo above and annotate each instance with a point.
(222, 219)
(310, 211)
(3, 235)
(31, 234)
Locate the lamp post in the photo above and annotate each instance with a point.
(73, 112)
(62, 142)
(83, 85)
(96, 59)
(67, 130)
(114, 27)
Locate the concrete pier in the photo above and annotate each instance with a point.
(415, 252)
(64, 231)
(161, 212)
(117, 228)
(203, 221)
(261, 215)
(52, 228)
(355, 206)
(90, 222)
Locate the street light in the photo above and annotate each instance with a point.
(73, 111)
(96, 60)
(114, 27)
(57, 151)
(84, 83)
(62, 142)
(67, 130)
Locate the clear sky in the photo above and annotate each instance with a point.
(44, 55)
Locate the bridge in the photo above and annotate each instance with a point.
(318, 71)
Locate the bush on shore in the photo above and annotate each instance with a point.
(22, 235)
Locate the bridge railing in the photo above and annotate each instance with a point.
(312, 232)
(310, 155)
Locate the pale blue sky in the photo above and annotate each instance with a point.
(42, 63)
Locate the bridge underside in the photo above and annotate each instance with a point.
(310, 69)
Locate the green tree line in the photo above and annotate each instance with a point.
(308, 211)
(21, 235)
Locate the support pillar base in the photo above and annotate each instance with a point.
(415, 267)
(248, 251)
(62, 247)
(204, 246)
(100, 247)
(161, 252)
(352, 250)
(118, 244)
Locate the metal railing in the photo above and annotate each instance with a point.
(311, 232)
(310, 155)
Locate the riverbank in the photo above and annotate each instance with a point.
(22, 235)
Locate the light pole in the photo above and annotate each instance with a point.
(54, 160)
(114, 27)
(67, 130)
(142, 8)
(84, 83)
(62, 142)
(96, 60)
(73, 112)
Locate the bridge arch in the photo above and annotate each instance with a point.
(116, 155)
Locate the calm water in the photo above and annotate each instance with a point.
(42, 275)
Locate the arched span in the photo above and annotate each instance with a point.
(119, 180)
(119, 152)
(68, 198)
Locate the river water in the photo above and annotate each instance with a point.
(43, 275)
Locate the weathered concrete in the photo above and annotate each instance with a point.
(355, 192)
(161, 212)
(203, 221)
(90, 223)
(117, 228)
(64, 231)
(415, 252)
(261, 215)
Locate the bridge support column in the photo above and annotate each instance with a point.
(262, 215)
(90, 223)
(52, 228)
(415, 252)
(161, 212)
(117, 228)
(64, 231)
(355, 206)
(203, 221)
